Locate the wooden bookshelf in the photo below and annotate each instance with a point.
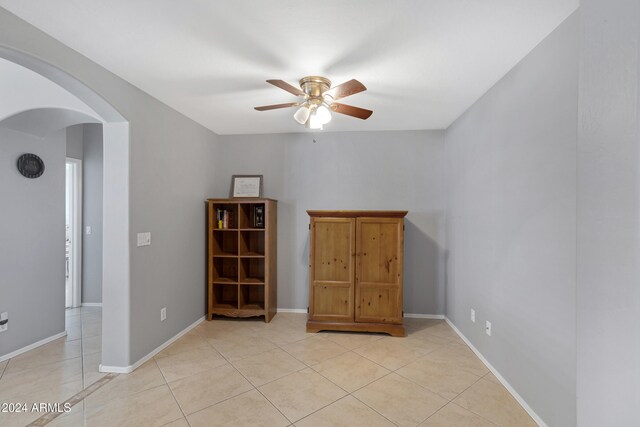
(241, 258)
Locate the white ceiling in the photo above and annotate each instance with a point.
(424, 62)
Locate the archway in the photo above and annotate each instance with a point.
(116, 278)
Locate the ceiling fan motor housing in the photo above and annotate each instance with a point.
(315, 86)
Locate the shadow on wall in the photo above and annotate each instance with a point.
(423, 288)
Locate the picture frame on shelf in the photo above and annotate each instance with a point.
(246, 186)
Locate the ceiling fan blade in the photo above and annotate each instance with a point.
(350, 110)
(276, 106)
(346, 89)
(286, 86)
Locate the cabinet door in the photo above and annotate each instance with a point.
(379, 270)
(332, 260)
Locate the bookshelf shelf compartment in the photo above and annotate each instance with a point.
(248, 219)
(242, 258)
(228, 214)
(225, 296)
(252, 270)
(251, 243)
(251, 297)
(224, 269)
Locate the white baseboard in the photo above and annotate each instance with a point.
(292, 310)
(92, 304)
(32, 346)
(500, 378)
(133, 367)
(424, 316)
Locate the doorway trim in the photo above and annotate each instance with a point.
(76, 231)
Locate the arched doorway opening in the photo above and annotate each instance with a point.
(115, 278)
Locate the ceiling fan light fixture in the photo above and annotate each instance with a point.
(302, 115)
(323, 115)
(314, 122)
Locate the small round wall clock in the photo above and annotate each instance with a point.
(30, 165)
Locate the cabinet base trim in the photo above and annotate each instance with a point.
(232, 312)
(393, 330)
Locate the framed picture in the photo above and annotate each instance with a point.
(246, 186)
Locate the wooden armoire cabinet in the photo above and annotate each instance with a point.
(355, 271)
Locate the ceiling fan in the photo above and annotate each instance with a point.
(319, 100)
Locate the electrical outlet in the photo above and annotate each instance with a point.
(4, 321)
(163, 314)
(473, 315)
(488, 328)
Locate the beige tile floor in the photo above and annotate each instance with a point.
(246, 372)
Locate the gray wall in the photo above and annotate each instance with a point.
(171, 174)
(75, 143)
(92, 213)
(511, 187)
(31, 240)
(609, 215)
(348, 170)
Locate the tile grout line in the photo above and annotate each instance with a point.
(328, 379)
(170, 391)
(337, 385)
(276, 379)
(469, 409)
(82, 349)
(73, 401)
(481, 416)
(273, 404)
(394, 371)
(82, 343)
(5, 368)
(258, 390)
(374, 409)
(82, 361)
(420, 385)
(214, 404)
(433, 391)
(452, 400)
(228, 362)
(306, 366)
(320, 409)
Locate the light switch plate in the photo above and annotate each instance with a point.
(473, 315)
(144, 239)
(88, 229)
(488, 328)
